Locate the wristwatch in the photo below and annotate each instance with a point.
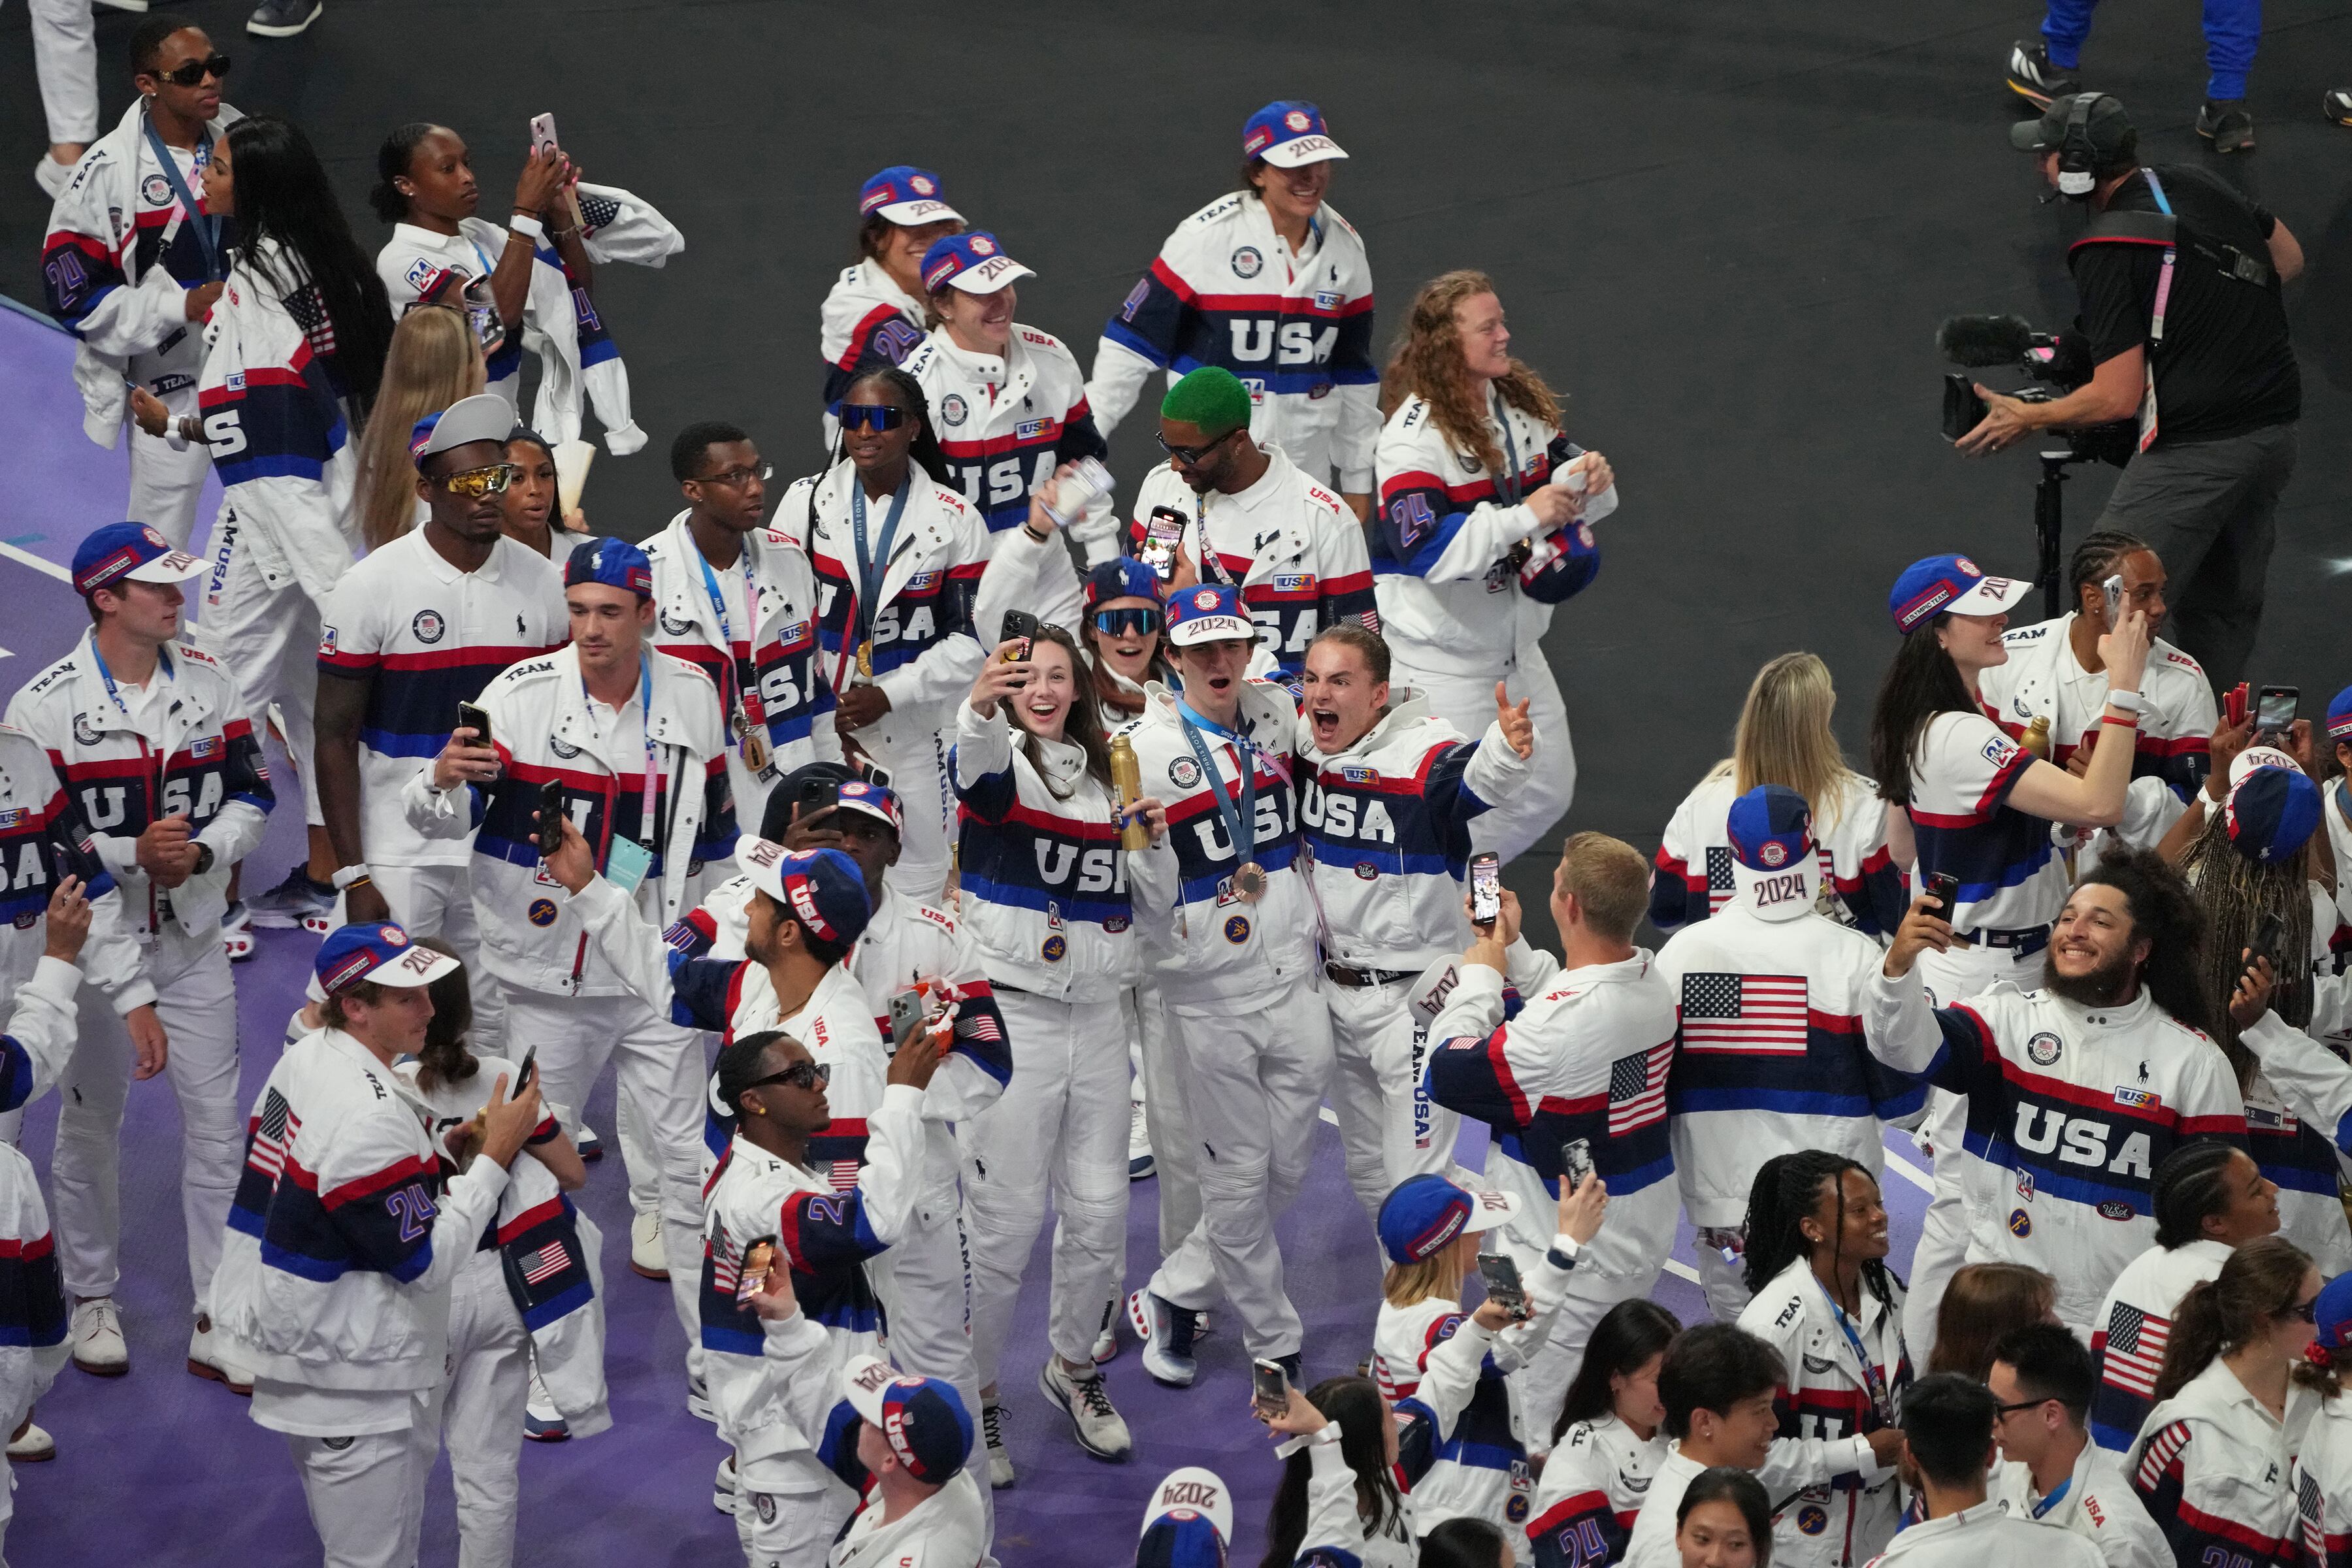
(349, 874)
(204, 859)
(2126, 701)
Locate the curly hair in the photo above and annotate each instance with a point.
(2167, 913)
(1427, 363)
(2235, 894)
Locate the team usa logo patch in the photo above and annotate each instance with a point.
(1237, 928)
(923, 185)
(675, 625)
(429, 626)
(84, 730)
(2044, 1048)
(1184, 772)
(2021, 1223)
(983, 246)
(1055, 948)
(392, 936)
(1247, 262)
(1030, 429)
(1774, 852)
(155, 191)
(953, 409)
(542, 911)
(563, 748)
(1207, 599)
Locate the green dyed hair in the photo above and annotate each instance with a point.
(1211, 398)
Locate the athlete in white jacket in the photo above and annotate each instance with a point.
(1609, 1444)
(1769, 1057)
(1389, 794)
(874, 313)
(1576, 1079)
(2076, 1092)
(1481, 532)
(1948, 1422)
(1862, 886)
(1269, 282)
(2322, 1480)
(1228, 921)
(150, 737)
(1009, 408)
(920, 1508)
(345, 1243)
(2043, 1379)
(132, 263)
(898, 556)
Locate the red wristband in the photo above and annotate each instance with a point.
(2130, 723)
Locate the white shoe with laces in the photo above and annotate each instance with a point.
(722, 1487)
(647, 1260)
(209, 1357)
(98, 1345)
(31, 1446)
(1139, 1162)
(542, 1421)
(1000, 1459)
(1086, 1403)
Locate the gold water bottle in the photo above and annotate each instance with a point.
(1127, 783)
(2037, 737)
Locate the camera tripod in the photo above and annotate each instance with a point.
(2049, 525)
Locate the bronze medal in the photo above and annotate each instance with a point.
(1249, 882)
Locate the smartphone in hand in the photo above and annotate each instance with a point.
(472, 716)
(1486, 889)
(1021, 625)
(1944, 895)
(1503, 1284)
(2270, 940)
(548, 832)
(1161, 533)
(1269, 1388)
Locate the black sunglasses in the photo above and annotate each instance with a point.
(1132, 621)
(192, 72)
(871, 417)
(800, 1075)
(1190, 456)
(2308, 1312)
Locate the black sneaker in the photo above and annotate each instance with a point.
(283, 18)
(2033, 78)
(2224, 123)
(2338, 105)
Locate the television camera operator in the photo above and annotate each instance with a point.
(2181, 283)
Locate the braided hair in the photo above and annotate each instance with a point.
(2236, 893)
(1786, 1190)
(908, 393)
(2191, 1187)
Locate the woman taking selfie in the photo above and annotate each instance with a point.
(1044, 905)
(1979, 807)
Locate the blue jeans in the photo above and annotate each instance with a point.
(2232, 27)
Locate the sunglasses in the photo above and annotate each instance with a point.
(1133, 621)
(1190, 456)
(476, 483)
(192, 72)
(871, 417)
(2308, 1312)
(800, 1075)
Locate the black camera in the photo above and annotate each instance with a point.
(2059, 360)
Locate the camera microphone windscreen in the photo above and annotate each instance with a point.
(1979, 340)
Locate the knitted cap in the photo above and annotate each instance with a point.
(1212, 398)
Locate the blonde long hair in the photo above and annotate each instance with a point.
(1427, 363)
(1784, 737)
(434, 361)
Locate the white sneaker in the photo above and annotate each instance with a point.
(1086, 1403)
(647, 1259)
(697, 1404)
(1000, 1459)
(587, 1143)
(31, 1446)
(1140, 1163)
(236, 933)
(98, 1346)
(722, 1487)
(542, 1421)
(209, 1356)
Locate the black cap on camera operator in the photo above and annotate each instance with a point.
(2216, 421)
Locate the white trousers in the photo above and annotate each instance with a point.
(660, 1068)
(197, 1002)
(1387, 1122)
(167, 483)
(366, 1494)
(791, 1530)
(1061, 1121)
(1167, 1118)
(1944, 1232)
(269, 638)
(64, 59)
(1254, 1078)
(925, 1281)
(481, 1411)
(1467, 702)
(910, 746)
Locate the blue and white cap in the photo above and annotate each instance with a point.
(381, 953)
(129, 552)
(822, 889)
(1288, 132)
(1209, 612)
(1189, 1523)
(922, 1419)
(1772, 833)
(1949, 586)
(2270, 814)
(2340, 716)
(972, 262)
(908, 196)
(1423, 1215)
(611, 563)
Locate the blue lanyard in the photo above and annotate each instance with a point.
(726, 622)
(1241, 820)
(872, 569)
(113, 692)
(2046, 1504)
(1872, 1378)
(653, 765)
(206, 225)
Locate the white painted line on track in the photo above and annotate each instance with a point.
(27, 558)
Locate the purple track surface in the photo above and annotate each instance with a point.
(159, 1467)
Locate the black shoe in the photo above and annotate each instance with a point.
(1291, 1368)
(2033, 78)
(283, 18)
(2225, 123)
(2338, 105)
